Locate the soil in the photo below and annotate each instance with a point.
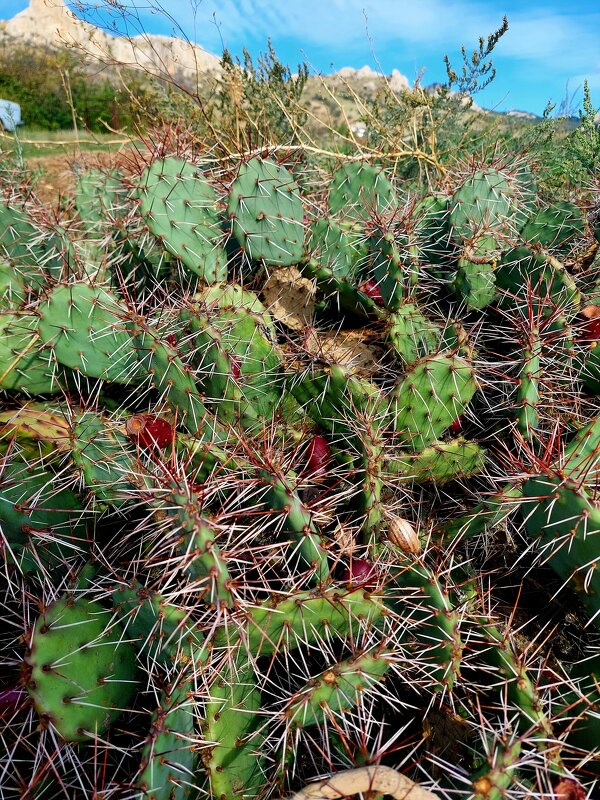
(55, 175)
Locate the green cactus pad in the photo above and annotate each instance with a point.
(180, 208)
(302, 619)
(24, 364)
(475, 283)
(335, 398)
(590, 370)
(425, 602)
(521, 270)
(339, 688)
(104, 457)
(529, 385)
(230, 297)
(173, 379)
(439, 463)
(431, 396)
(412, 335)
(485, 516)
(339, 291)
(160, 631)
(99, 197)
(355, 413)
(90, 330)
(266, 213)
(42, 523)
(383, 264)
(195, 545)
(237, 363)
(298, 521)
(555, 226)
(499, 773)
(13, 292)
(34, 252)
(232, 759)
(485, 200)
(359, 191)
(565, 522)
(169, 760)
(513, 680)
(580, 459)
(80, 672)
(332, 248)
(428, 237)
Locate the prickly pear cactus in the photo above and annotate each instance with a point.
(240, 554)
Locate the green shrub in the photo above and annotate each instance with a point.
(46, 83)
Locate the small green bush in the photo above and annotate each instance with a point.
(45, 83)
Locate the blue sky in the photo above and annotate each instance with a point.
(550, 48)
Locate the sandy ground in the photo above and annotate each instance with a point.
(54, 176)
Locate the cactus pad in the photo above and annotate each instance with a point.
(79, 671)
(266, 213)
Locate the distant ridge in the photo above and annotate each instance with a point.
(50, 23)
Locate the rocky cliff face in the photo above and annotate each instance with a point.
(51, 24)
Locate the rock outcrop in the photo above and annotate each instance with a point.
(396, 81)
(50, 23)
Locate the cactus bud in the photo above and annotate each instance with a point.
(236, 367)
(456, 426)
(403, 535)
(149, 431)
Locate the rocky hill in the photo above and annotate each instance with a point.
(334, 100)
(49, 23)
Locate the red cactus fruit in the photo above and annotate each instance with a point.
(318, 457)
(456, 426)
(593, 330)
(568, 789)
(372, 290)
(171, 339)
(359, 573)
(589, 324)
(149, 431)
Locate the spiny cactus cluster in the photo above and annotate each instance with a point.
(240, 553)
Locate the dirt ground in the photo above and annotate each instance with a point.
(55, 175)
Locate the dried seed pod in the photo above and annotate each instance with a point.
(345, 538)
(403, 535)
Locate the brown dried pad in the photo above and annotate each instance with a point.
(290, 298)
(348, 348)
(447, 736)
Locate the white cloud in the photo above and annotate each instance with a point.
(539, 37)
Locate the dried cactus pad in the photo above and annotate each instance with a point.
(80, 672)
(266, 213)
